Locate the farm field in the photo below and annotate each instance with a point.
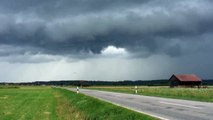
(203, 94)
(46, 103)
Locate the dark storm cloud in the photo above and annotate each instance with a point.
(70, 27)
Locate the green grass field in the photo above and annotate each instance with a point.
(46, 103)
(203, 94)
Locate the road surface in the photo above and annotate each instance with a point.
(163, 108)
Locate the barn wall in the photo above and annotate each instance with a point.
(174, 82)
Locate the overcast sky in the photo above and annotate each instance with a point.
(105, 39)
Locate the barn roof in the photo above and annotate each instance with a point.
(188, 78)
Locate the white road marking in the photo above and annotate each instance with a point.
(176, 104)
(156, 116)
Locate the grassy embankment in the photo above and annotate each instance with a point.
(45, 103)
(196, 94)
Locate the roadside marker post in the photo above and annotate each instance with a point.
(136, 89)
(77, 90)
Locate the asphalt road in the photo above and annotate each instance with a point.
(163, 108)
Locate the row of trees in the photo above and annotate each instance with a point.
(99, 83)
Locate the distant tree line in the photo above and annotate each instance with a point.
(100, 83)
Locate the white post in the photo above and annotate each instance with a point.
(77, 90)
(136, 91)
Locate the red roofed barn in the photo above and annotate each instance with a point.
(189, 80)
